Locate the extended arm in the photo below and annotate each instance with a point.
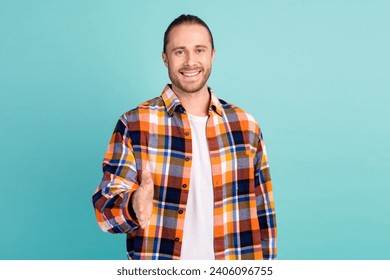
(111, 199)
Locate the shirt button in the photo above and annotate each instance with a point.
(187, 159)
(187, 133)
(180, 211)
(177, 239)
(184, 186)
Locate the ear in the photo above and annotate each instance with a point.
(165, 59)
(212, 56)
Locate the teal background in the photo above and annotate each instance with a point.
(315, 74)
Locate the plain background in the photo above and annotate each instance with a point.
(315, 74)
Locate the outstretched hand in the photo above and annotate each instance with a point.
(143, 199)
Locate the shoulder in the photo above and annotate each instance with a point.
(143, 110)
(241, 124)
(234, 113)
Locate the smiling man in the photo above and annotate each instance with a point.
(186, 174)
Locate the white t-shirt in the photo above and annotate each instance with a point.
(198, 235)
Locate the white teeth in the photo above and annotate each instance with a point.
(190, 74)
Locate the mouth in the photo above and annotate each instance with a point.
(190, 74)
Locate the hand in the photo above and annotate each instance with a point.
(143, 199)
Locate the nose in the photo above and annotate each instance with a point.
(190, 59)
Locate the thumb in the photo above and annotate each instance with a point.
(147, 181)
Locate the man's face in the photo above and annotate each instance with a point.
(189, 57)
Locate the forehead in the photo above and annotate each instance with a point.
(187, 35)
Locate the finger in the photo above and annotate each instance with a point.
(146, 178)
(144, 224)
(147, 183)
(141, 224)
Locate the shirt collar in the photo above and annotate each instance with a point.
(172, 102)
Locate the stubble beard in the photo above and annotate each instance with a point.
(189, 87)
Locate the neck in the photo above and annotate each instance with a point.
(195, 103)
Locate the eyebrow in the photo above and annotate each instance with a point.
(182, 47)
(178, 48)
(201, 46)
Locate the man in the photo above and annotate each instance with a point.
(186, 174)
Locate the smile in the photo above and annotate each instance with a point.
(190, 74)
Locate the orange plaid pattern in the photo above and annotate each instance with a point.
(157, 135)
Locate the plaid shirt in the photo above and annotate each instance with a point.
(157, 135)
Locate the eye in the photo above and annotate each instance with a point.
(200, 51)
(179, 52)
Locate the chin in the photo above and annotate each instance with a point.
(191, 89)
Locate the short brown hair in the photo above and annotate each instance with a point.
(186, 19)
